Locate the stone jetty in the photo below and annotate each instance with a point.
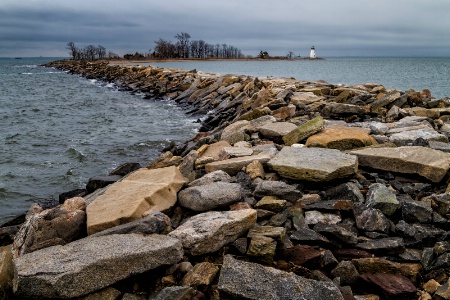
(290, 190)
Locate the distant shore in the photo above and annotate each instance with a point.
(149, 60)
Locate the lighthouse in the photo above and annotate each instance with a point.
(312, 53)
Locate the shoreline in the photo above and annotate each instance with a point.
(339, 187)
(123, 61)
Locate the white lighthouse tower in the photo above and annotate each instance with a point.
(312, 53)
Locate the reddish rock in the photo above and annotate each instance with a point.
(302, 255)
(393, 286)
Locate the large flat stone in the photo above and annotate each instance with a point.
(429, 163)
(210, 231)
(134, 197)
(234, 165)
(244, 280)
(313, 164)
(341, 138)
(90, 264)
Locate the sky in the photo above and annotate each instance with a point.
(336, 28)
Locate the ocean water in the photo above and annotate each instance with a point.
(57, 130)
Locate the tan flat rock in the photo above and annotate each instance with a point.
(134, 197)
(341, 138)
(429, 163)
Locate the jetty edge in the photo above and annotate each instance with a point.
(290, 190)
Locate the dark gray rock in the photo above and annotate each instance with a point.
(405, 229)
(417, 211)
(7, 234)
(243, 280)
(70, 194)
(99, 182)
(125, 169)
(380, 197)
(336, 233)
(346, 271)
(372, 220)
(308, 236)
(155, 222)
(442, 201)
(278, 188)
(384, 246)
(346, 191)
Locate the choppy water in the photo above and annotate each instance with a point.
(57, 130)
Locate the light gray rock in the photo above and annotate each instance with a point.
(313, 164)
(270, 149)
(235, 132)
(276, 130)
(90, 264)
(441, 146)
(210, 231)
(244, 280)
(382, 198)
(429, 163)
(233, 165)
(230, 152)
(215, 176)
(314, 217)
(210, 196)
(415, 137)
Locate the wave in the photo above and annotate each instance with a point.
(74, 153)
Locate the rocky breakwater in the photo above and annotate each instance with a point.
(291, 190)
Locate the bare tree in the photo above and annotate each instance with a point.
(290, 55)
(90, 52)
(183, 40)
(101, 52)
(73, 50)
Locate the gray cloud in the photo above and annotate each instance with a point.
(336, 28)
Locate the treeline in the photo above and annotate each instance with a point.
(89, 52)
(184, 47)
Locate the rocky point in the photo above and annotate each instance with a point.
(290, 190)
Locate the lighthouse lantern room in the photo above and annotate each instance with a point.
(312, 53)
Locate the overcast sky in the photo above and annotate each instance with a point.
(335, 28)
